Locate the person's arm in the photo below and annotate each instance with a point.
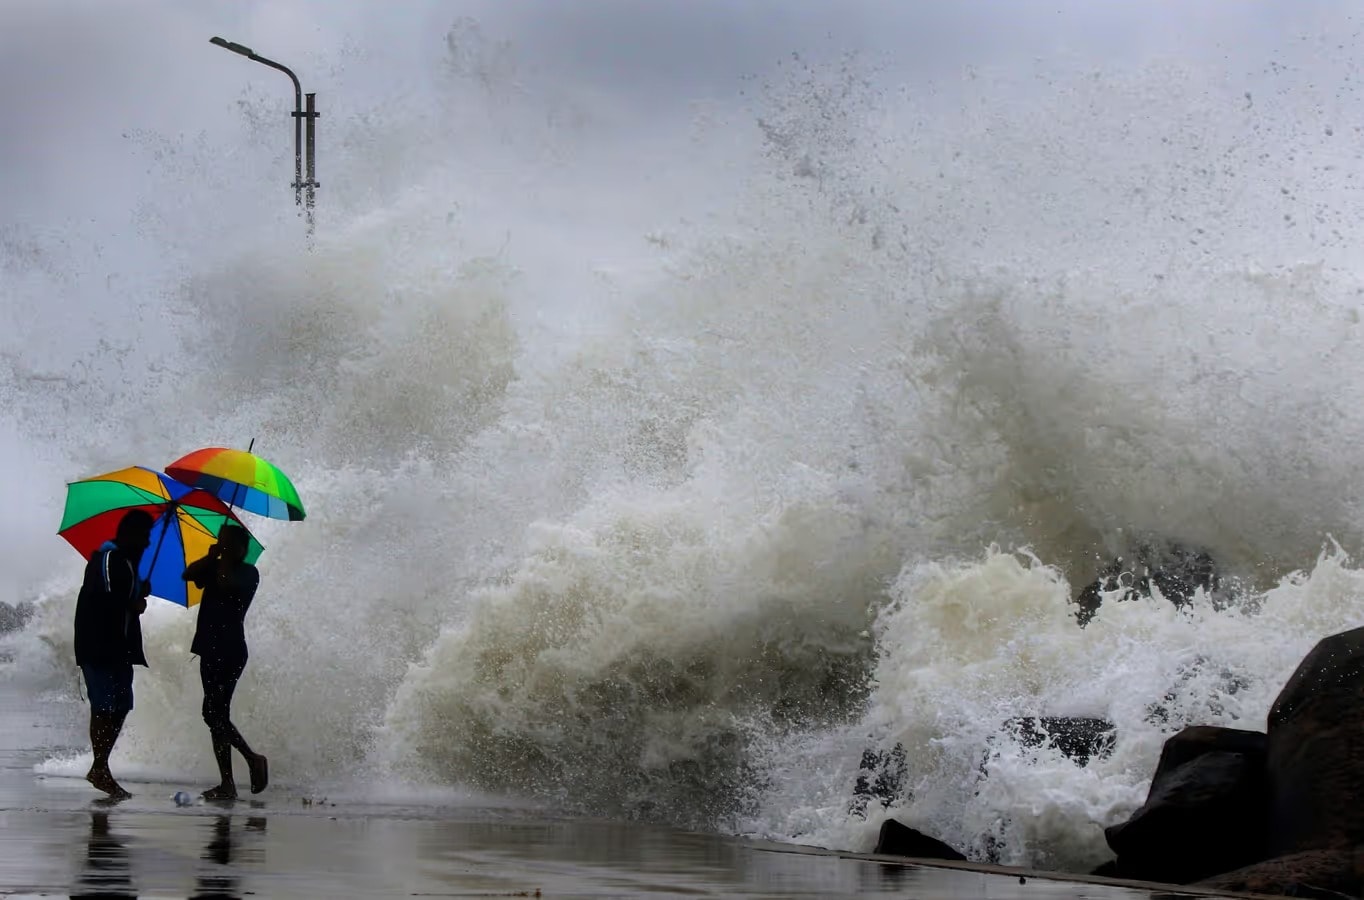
(200, 570)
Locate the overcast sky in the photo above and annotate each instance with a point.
(126, 56)
(84, 77)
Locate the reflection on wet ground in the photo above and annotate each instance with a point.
(225, 848)
(106, 872)
(231, 844)
(57, 839)
(125, 852)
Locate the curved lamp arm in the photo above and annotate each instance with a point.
(298, 106)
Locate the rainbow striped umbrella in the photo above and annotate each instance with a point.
(240, 478)
(187, 522)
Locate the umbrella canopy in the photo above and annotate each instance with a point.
(187, 522)
(240, 478)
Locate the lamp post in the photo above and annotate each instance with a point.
(303, 190)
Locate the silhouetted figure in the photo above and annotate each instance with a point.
(109, 638)
(229, 584)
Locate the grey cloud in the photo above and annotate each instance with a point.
(91, 69)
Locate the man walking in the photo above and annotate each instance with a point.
(109, 639)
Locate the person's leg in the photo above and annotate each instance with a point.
(256, 763)
(110, 700)
(227, 674)
(217, 700)
(222, 755)
(105, 728)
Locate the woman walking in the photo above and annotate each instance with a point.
(229, 584)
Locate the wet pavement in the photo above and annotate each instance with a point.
(57, 839)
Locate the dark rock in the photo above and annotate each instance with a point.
(901, 840)
(1315, 764)
(1335, 661)
(1078, 737)
(1178, 572)
(1111, 578)
(1197, 740)
(881, 776)
(1107, 870)
(1205, 817)
(1205, 811)
(1323, 874)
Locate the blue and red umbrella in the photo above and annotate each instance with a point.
(186, 523)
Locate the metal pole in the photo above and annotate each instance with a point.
(299, 116)
(311, 184)
(298, 125)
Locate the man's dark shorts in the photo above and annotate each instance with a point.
(109, 687)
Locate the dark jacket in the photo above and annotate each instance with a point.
(221, 633)
(108, 631)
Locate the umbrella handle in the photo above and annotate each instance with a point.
(170, 511)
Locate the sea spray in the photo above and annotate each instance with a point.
(659, 482)
(965, 647)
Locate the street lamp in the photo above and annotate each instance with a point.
(300, 185)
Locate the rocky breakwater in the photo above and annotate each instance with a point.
(1278, 812)
(1273, 812)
